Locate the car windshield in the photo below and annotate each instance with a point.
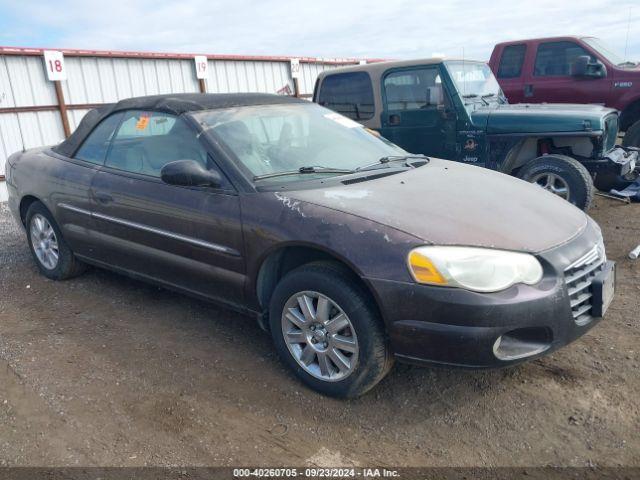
(606, 52)
(475, 82)
(289, 141)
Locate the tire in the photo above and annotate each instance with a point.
(372, 358)
(632, 135)
(39, 222)
(565, 171)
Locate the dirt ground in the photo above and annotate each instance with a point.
(103, 370)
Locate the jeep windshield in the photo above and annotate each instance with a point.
(607, 53)
(475, 83)
(295, 141)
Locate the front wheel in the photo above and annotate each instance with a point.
(563, 176)
(329, 332)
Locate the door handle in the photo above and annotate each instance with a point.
(528, 90)
(394, 119)
(102, 197)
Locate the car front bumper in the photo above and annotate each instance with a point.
(627, 160)
(457, 327)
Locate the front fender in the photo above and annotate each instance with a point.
(273, 220)
(504, 152)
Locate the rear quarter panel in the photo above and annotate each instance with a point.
(53, 179)
(375, 121)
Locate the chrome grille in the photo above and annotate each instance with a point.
(578, 277)
(610, 131)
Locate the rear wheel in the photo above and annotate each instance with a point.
(329, 332)
(54, 258)
(563, 176)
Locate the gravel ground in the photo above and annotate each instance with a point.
(103, 370)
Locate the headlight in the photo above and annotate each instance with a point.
(477, 269)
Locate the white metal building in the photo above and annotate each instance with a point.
(34, 110)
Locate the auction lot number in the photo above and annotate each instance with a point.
(54, 65)
(202, 65)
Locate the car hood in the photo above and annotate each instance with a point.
(539, 118)
(448, 203)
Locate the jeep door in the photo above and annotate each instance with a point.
(548, 76)
(417, 111)
(186, 237)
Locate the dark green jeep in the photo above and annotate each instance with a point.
(454, 109)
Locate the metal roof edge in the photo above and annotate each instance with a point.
(71, 52)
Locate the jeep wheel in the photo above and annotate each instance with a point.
(328, 330)
(563, 176)
(632, 135)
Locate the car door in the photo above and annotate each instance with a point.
(71, 187)
(510, 72)
(551, 81)
(186, 237)
(417, 113)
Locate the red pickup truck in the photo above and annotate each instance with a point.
(570, 70)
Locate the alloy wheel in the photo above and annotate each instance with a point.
(320, 336)
(44, 242)
(552, 183)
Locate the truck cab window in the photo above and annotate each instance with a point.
(349, 94)
(511, 61)
(555, 59)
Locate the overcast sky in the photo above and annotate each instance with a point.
(322, 28)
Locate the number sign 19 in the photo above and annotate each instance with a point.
(201, 66)
(54, 65)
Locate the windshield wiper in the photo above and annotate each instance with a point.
(302, 171)
(392, 158)
(627, 64)
(475, 95)
(489, 95)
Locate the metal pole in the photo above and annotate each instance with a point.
(63, 108)
(296, 88)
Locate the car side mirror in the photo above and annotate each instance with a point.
(189, 173)
(586, 68)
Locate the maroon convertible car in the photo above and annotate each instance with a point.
(349, 250)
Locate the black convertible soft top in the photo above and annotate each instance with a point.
(175, 104)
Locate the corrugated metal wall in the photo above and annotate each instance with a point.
(107, 78)
(23, 84)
